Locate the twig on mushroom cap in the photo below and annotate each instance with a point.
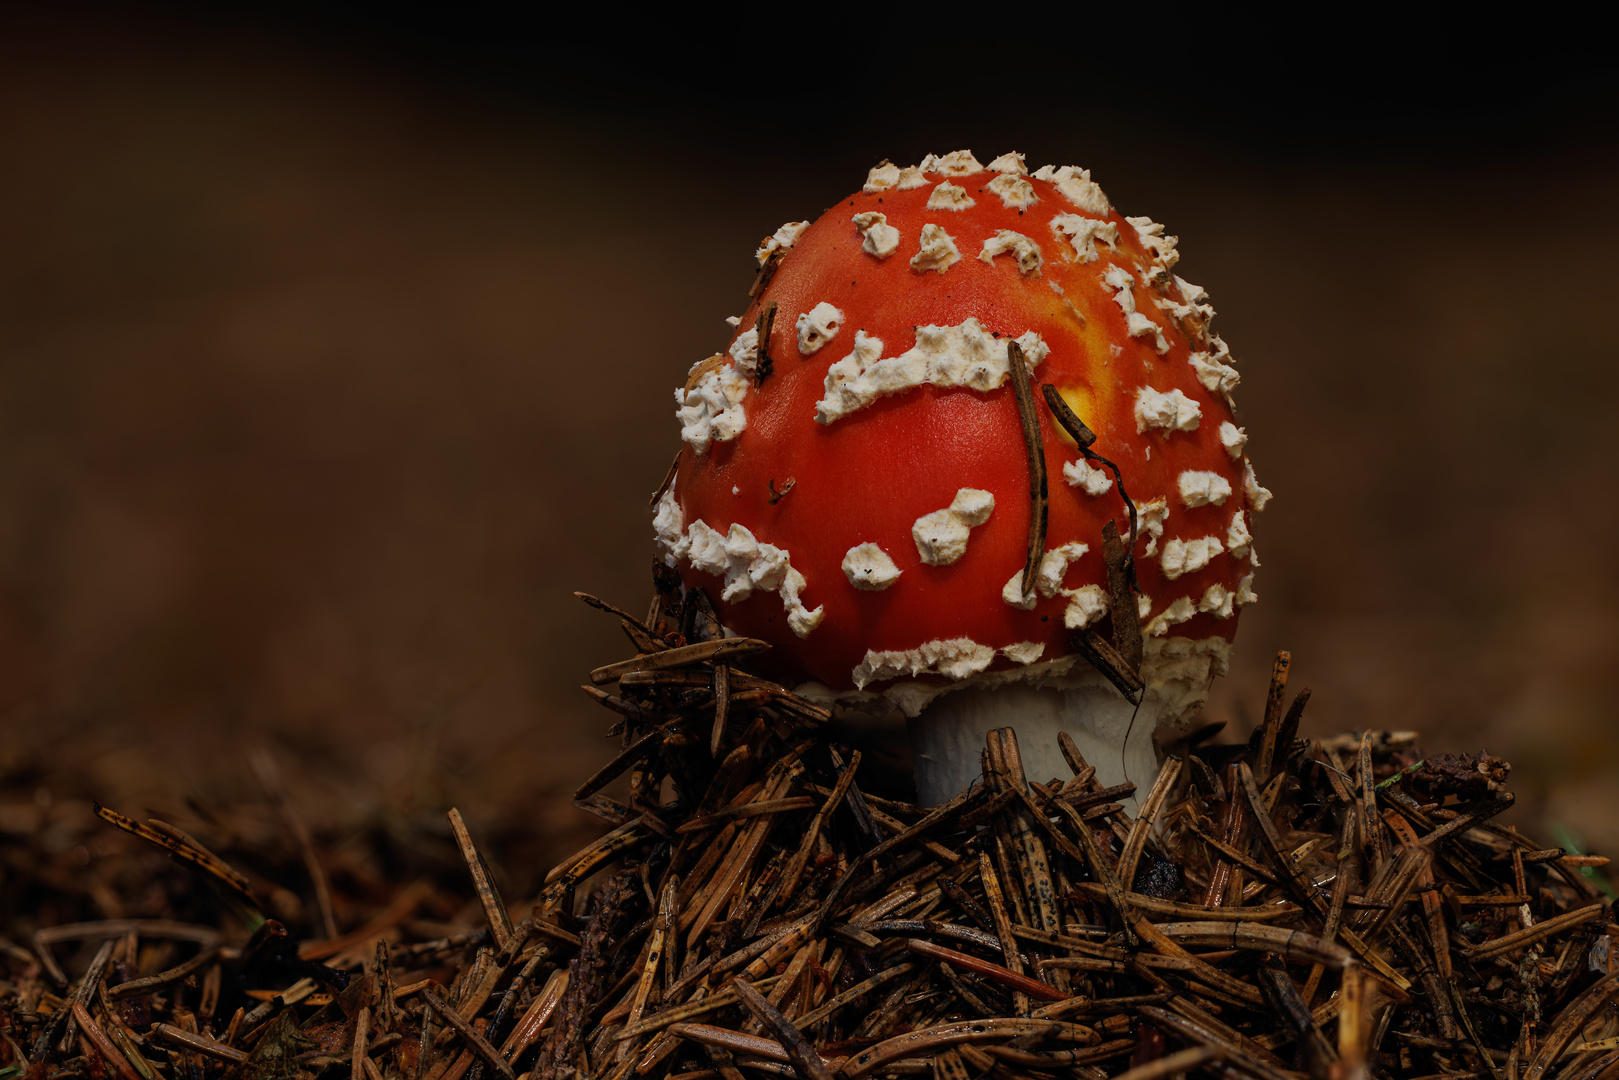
(1101, 655)
(767, 270)
(763, 326)
(1039, 498)
(1122, 610)
(1084, 437)
(668, 478)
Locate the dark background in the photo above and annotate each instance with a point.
(337, 346)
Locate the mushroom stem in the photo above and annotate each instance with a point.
(947, 738)
(1114, 736)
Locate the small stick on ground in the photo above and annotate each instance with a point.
(681, 657)
(185, 849)
(362, 1033)
(722, 706)
(1273, 715)
(163, 978)
(479, 1045)
(61, 1021)
(269, 774)
(494, 908)
(803, 1058)
(104, 1046)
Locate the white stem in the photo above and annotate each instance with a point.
(947, 735)
(947, 739)
(948, 723)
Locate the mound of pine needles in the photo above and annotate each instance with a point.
(1284, 908)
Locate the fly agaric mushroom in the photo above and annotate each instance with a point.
(865, 482)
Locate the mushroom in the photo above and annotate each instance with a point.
(858, 485)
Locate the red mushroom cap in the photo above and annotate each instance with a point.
(855, 489)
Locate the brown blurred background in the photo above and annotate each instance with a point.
(336, 349)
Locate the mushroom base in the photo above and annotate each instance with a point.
(947, 736)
